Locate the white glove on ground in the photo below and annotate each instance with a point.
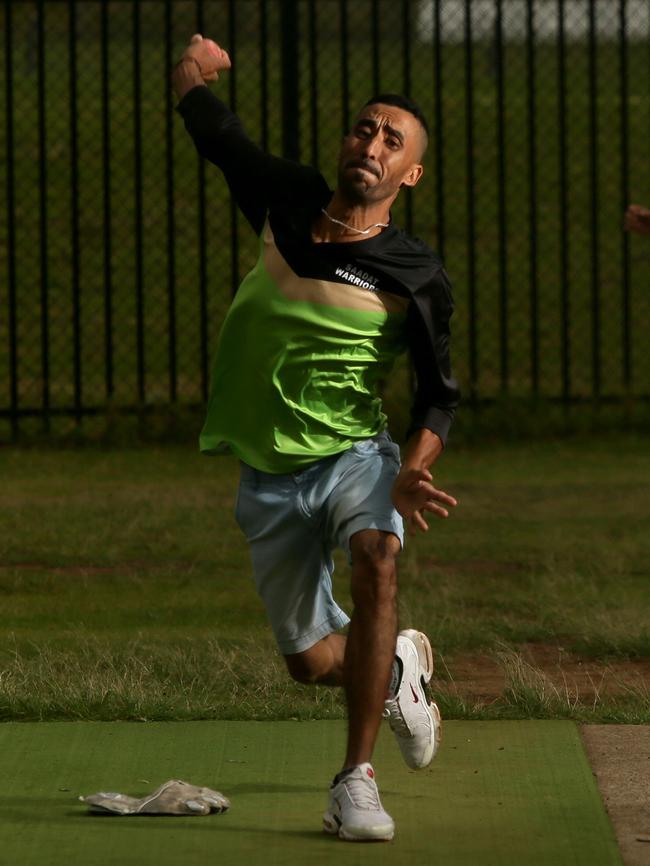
(173, 798)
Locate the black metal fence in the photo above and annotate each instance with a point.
(119, 249)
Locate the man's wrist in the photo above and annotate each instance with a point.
(422, 449)
(186, 75)
(186, 58)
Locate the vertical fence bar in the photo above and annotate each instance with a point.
(564, 248)
(375, 41)
(406, 77)
(232, 92)
(471, 210)
(43, 234)
(439, 138)
(625, 193)
(106, 190)
(264, 81)
(138, 210)
(11, 222)
(74, 201)
(563, 205)
(406, 46)
(504, 352)
(345, 67)
(204, 354)
(290, 73)
(531, 90)
(171, 222)
(313, 83)
(594, 227)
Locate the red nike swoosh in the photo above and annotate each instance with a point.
(416, 699)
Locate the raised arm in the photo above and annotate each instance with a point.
(256, 179)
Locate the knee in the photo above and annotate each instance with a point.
(303, 668)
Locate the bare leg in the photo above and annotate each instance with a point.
(321, 664)
(362, 662)
(370, 648)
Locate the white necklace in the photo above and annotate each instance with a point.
(352, 228)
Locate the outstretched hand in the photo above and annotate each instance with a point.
(414, 494)
(211, 58)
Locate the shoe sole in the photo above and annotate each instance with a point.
(436, 723)
(437, 726)
(332, 827)
(350, 837)
(425, 653)
(425, 661)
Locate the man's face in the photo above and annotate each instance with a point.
(380, 154)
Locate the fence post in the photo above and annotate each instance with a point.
(290, 106)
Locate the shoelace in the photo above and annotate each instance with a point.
(363, 793)
(395, 718)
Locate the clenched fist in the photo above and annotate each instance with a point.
(209, 56)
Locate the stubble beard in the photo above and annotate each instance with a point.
(358, 192)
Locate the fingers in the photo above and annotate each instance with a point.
(415, 497)
(219, 53)
(209, 45)
(435, 494)
(432, 507)
(417, 522)
(212, 47)
(438, 510)
(222, 55)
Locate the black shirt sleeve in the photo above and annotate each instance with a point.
(437, 393)
(256, 179)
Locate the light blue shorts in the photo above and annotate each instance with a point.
(293, 522)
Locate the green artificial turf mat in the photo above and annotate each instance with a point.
(498, 794)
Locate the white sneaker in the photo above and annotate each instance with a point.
(355, 812)
(413, 718)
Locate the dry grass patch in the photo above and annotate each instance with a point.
(97, 679)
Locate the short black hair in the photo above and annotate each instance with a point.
(400, 101)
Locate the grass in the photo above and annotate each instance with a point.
(533, 694)
(126, 591)
(527, 785)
